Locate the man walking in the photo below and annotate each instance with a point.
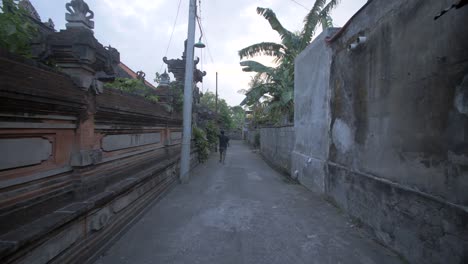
(223, 144)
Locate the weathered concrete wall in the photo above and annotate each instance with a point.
(396, 150)
(396, 100)
(312, 113)
(276, 145)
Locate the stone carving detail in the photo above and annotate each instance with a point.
(198, 76)
(26, 5)
(79, 14)
(165, 79)
(177, 67)
(141, 75)
(50, 24)
(77, 52)
(100, 219)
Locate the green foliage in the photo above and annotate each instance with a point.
(238, 117)
(257, 140)
(272, 89)
(133, 86)
(201, 144)
(209, 100)
(178, 96)
(231, 117)
(153, 98)
(16, 32)
(212, 132)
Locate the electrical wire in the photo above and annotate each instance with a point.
(198, 18)
(172, 34)
(305, 7)
(202, 29)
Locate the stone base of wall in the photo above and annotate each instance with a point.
(79, 232)
(418, 226)
(310, 172)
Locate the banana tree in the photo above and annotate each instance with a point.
(277, 83)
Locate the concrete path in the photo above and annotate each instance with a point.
(243, 212)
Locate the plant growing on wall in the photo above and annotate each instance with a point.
(275, 85)
(212, 132)
(201, 144)
(133, 86)
(16, 30)
(257, 140)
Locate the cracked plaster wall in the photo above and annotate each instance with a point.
(383, 129)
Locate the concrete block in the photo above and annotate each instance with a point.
(38, 228)
(86, 157)
(311, 172)
(19, 152)
(116, 142)
(55, 245)
(176, 135)
(124, 201)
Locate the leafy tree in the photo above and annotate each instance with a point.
(238, 117)
(16, 30)
(209, 100)
(275, 85)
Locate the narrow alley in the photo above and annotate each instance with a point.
(243, 212)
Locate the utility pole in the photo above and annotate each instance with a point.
(187, 115)
(216, 100)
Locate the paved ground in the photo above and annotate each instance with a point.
(243, 212)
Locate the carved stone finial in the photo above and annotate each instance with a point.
(165, 79)
(79, 15)
(141, 75)
(50, 24)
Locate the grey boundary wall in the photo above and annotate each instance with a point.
(276, 145)
(382, 130)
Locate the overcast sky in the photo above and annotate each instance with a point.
(141, 29)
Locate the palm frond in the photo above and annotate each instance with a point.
(286, 36)
(254, 94)
(313, 18)
(253, 66)
(263, 48)
(326, 19)
(329, 7)
(311, 21)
